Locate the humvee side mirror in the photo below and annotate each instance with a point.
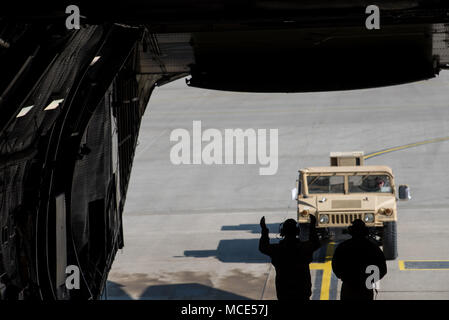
(404, 192)
(294, 194)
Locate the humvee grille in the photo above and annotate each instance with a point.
(344, 218)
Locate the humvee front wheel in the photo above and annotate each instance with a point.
(304, 232)
(389, 241)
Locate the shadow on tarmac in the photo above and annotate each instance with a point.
(245, 250)
(182, 291)
(252, 228)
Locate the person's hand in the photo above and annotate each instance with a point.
(263, 225)
(312, 220)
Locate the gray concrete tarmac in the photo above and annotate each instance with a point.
(191, 231)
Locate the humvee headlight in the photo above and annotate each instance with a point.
(387, 211)
(324, 218)
(304, 212)
(369, 217)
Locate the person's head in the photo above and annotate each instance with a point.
(380, 182)
(289, 229)
(358, 229)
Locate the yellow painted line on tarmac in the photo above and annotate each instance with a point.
(326, 266)
(403, 267)
(410, 145)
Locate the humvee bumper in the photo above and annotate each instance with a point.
(339, 220)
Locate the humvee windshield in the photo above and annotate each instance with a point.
(357, 184)
(326, 184)
(369, 183)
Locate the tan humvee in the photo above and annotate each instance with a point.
(349, 190)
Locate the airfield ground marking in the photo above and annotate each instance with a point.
(423, 265)
(402, 263)
(326, 266)
(410, 145)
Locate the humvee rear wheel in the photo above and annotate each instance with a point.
(389, 241)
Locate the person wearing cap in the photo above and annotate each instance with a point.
(291, 258)
(351, 260)
(380, 183)
(381, 186)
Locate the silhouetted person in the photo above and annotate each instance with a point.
(291, 258)
(350, 262)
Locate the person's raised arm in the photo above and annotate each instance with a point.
(264, 242)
